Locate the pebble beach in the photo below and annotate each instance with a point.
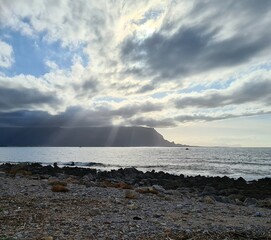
(56, 205)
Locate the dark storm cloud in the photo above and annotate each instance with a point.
(73, 116)
(196, 49)
(12, 98)
(253, 91)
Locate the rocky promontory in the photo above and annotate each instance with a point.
(111, 136)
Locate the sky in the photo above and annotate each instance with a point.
(199, 72)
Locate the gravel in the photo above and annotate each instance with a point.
(30, 210)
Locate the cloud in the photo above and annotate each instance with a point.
(87, 88)
(130, 110)
(209, 118)
(25, 98)
(168, 61)
(255, 90)
(74, 116)
(6, 55)
(155, 123)
(190, 50)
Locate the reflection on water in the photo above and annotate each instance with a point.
(250, 163)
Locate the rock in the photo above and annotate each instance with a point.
(123, 185)
(116, 184)
(94, 212)
(48, 238)
(265, 203)
(20, 169)
(88, 178)
(209, 189)
(228, 191)
(142, 190)
(72, 180)
(131, 194)
(236, 196)
(209, 200)
(224, 199)
(257, 214)
(250, 202)
(56, 181)
(153, 190)
(132, 206)
(240, 182)
(6, 212)
(59, 188)
(238, 202)
(159, 188)
(137, 218)
(145, 190)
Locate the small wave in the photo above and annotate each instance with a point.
(241, 163)
(82, 164)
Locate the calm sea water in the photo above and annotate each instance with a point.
(249, 163)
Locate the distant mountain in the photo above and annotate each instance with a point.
(83, 136)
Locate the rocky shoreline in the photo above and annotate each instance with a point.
(49, 202)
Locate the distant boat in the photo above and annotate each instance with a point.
(187, 149)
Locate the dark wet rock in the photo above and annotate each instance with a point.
(71, 164)
(240, 197)
(228, 191)
(250, 202)
(88, 178)
(223, 199)
(76, 171)
(209, 189)
(265, 203)
(258, 214)
(240, 182)
(222, 186)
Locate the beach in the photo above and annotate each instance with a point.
(46, 202)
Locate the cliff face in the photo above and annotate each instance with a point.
(85, 137)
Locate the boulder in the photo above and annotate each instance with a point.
(59, 188)
(250, 202)
(131, 194)
(209, 200)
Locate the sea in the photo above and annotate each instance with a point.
(249, 163)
